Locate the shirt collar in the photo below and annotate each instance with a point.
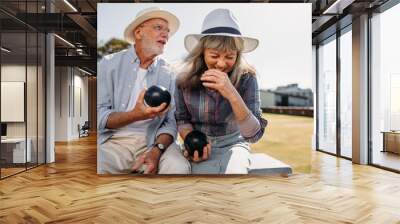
(135, 59)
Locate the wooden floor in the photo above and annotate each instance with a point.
(10, 171)
(387, 159)
(70, 191)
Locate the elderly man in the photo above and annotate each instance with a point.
(133, 136)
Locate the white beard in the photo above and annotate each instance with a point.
(150, 47)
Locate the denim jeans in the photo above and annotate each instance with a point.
(230, 154)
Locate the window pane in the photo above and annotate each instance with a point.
(386, 88)
(31, 97)
(327, 97)
(346, 94)
(14, 148)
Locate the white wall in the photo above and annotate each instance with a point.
(79, 117)
(15, 73)
(70, 83)
(61, 103)
(82, 82)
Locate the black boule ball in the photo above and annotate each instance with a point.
(156, 95)
(195, 140)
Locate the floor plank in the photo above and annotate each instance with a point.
(70, 191)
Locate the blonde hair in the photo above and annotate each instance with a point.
(195, 66)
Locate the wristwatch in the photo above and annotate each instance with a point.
(160, 146)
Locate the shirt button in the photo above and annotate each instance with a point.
(123, 105)
(129, 86)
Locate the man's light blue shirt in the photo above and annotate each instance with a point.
(116, 76)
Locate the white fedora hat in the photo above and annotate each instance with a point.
(151, 13)
(220, 22)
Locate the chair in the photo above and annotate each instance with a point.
(84, 130)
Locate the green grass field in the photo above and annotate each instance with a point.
(288, 138)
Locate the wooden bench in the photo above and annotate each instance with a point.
(261, 163)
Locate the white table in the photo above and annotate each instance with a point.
(18, 149)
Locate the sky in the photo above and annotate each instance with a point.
(283, 30)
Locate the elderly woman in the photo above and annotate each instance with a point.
(217, 94)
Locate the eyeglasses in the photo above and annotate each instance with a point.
(158, 28)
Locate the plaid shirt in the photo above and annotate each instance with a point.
(212, 114)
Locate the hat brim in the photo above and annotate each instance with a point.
(192, 40)
(173, 23)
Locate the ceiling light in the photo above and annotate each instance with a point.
(70, 5)
(84, 71)
(338, 6)
(79, 51)
(65, 41)
(5, 50)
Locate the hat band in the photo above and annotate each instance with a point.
(222, 29)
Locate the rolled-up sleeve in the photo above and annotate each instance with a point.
(169, 124)
(104, 95)
(251, 97)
